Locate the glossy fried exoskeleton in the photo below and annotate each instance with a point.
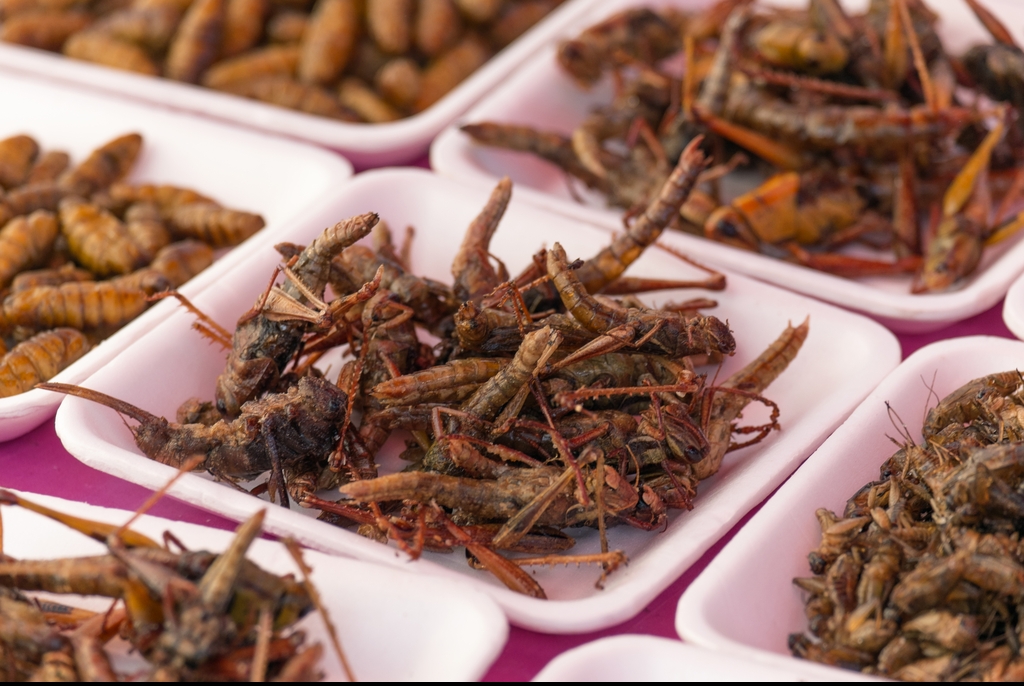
(218, 226)
(100, 306)
(17, 154)
(109, 163)
(25, 242)
(40, 358)
(99, 240)
(329, 40)
(91, 46)
(197, 41)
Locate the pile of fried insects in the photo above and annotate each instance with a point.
(372, 61)
(884, 154)
(543, 406)
(81, 252)
(922, 577)
(193, 615)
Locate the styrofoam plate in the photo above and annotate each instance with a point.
(539, 94)
(745, 602)
(633, 658)
(392, 626)
(286, 182)
(365, 144)
(842, 359)
(1013, 308)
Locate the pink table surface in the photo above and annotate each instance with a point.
(37, 462)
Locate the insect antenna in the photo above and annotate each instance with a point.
(296, 552)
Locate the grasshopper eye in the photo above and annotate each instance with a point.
(693, 454)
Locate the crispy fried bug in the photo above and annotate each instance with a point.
(664, 333)
(398, 81)
(197, 41)
(149, 28)
(29, 198)
(516, 18)
(451, 382)
(287, 92)
(287, 27)
(25, 242)
(44, 30)
(438, 25)
(48, 167)
(276, 431)
(98, 239)
(17, 154)
(751, 380)
(480, 11)
(94, 307)
(273, 60)
(243, 25)
(40, 358)
(390, 24)
(50, 277)
(179, 262)
(449, 69)
(101, 48)
(474, 275)
(108, 163)
(261, 347)
(356, 95)
(146, 229)
(328, 41)
(213, 224)
(164, 196)
(640, 33)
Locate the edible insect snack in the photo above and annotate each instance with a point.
(81, 249)
(866, 149)
(373, 61)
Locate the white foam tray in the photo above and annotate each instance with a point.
(1013, 308)
(539, 94)
(745, 603)
(288, 183)
(392, 626)
(635, 658)
(365, 144)
(843, 358)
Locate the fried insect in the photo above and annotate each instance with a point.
(862, 107)
(328, 41)
(261, 346)
(40, 358)
(109, 163)
(929, 547)
(231, 45)
(273, 432)
(45, 30)
(274, 60)
(243, 25)
(98, 239)
(197, 41)
(193, 614)
(17, 154)
(109, 51)
(25, 242)
(215, 225)
(449, 69)
(95, 307)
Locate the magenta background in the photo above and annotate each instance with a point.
(37, 462)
